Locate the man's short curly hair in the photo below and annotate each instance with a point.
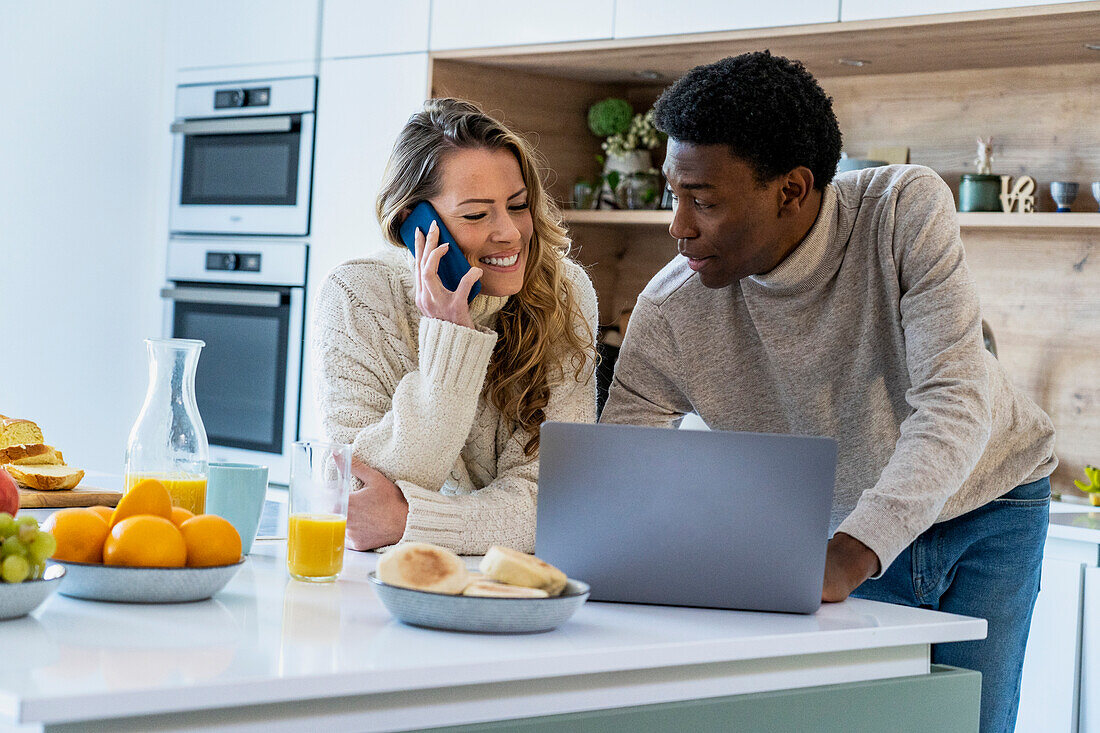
(769, 110)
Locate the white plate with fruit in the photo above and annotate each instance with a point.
(427, 585)
(26, 579)
(144, 550)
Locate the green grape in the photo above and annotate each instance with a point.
(27, 521)
(42, 546)
(7, 525)
(13, 546)
(27, 532)
(37, 570)
(15, 569)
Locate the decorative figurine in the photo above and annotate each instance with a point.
(1096, 191)
(1063, 193)
(978, 191)
(1092, 488)
(1022, 196)
(984, 161)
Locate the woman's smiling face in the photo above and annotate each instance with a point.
(483, 202)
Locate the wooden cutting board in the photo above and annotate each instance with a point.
(80, 496)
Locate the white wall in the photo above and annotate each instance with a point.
(84, 163)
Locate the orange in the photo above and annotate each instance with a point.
(211, 540)
(147, 496)
(103, 511)
(145, 541)
(180, 515)
(79, 532)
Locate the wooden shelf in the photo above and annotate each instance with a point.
(968, 220)
(1036, 220)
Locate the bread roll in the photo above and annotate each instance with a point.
(14, 431)
(493, 589)
(31, 454)
(45, 478)
(422, 566)
(516, 568)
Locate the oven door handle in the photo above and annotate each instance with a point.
(234, 125)
(224, 296)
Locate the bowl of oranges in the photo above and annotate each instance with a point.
(144, 550)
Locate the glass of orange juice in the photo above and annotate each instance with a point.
(320, 480)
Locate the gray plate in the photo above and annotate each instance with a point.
(144, 585)
(473, 613)
(19, 599)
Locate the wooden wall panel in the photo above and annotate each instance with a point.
(551, 113)
(1042, 119)
(1040, 294)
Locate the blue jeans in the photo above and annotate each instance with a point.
(985, 563)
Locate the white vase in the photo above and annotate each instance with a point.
(636, 161)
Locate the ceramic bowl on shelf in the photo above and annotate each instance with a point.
(95, 582)
(478, 613)
(1063, 193)
(19, 599)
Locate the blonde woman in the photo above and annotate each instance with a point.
(443, 399)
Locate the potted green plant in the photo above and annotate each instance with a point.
(629, 138)
(1092, 488)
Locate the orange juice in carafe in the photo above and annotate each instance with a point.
(187, 490)
(315, 546)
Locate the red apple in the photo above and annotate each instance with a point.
(9, 493)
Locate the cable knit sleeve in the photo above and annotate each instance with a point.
(406, 415)
(503, 512)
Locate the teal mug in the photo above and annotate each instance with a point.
(236, 491)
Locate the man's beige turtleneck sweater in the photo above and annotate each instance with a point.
(869, 332)
(406, 392)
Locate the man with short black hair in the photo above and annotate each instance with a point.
(804, 304)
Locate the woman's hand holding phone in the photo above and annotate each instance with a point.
(434, 300)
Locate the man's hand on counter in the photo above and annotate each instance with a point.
(377, 512)
(848, 562)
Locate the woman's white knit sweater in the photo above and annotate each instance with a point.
(406, 392)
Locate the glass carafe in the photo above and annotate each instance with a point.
(168, 441)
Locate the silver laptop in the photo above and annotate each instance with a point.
(687, 518)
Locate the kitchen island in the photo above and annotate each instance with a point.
(268, 653)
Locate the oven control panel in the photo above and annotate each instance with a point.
(233, 261)
(258, 97)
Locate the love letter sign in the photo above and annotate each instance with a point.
(1022, 196)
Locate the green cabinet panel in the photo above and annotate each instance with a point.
(945, 701)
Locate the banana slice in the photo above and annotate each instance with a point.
(422, 566)
(493, 589)
(516, 568)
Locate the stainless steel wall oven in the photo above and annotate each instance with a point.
(243, 157)
(245, 299)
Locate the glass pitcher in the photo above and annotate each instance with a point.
(168, 441)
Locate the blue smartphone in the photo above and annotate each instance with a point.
(453, 266)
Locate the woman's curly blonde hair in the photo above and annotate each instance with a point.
(541, 329)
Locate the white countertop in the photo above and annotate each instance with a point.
(267, 639)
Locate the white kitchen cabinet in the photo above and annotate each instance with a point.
(374, 27)
(634, 18)
(210, 33)
(1048, 693)
(873, 9)
(1090, 655)
(362, 104)
(459, 24)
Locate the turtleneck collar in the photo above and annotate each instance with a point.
(484, 309)
(806, 266)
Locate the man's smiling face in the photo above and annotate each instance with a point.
(725, 222)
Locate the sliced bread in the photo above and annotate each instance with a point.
(14, 431)
(33, 454)
(45, 478)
